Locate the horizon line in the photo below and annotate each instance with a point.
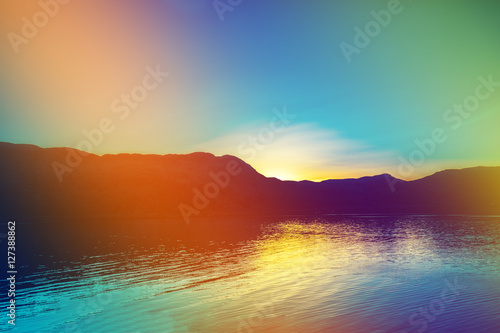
(387, 174)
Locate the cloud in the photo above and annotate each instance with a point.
(301, 151)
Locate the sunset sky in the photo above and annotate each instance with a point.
(229, 78)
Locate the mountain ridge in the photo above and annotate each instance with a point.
(202, 184)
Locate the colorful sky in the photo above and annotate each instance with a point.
(228, 78)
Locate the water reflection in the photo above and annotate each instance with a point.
(333, 274)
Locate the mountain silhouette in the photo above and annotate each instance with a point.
(64, 182)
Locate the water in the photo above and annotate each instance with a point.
(282, 274)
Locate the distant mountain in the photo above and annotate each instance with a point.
(55, 182)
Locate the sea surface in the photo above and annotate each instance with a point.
(276, 274)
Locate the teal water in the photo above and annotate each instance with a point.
(285, 274)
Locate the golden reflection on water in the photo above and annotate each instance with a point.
(290, 271)
(347, 274)
(303, 277)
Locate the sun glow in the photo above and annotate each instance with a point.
(281, 174)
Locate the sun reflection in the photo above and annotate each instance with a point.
(291, 260)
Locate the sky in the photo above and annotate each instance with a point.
(299, 89)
